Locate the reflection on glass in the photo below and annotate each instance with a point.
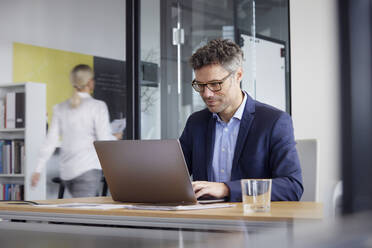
(172, 30)
(150, 91)
(262, 28)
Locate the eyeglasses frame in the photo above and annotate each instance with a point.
(195, 83)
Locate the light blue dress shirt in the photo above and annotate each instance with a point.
(226, 135)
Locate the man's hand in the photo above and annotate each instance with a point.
(35, 179)
(204, 188)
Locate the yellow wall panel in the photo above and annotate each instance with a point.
(49, 66)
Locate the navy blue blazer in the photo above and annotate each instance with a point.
(265, 148)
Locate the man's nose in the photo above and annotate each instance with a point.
(207, 92)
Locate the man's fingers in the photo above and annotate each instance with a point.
(213, 189)
(199, 182)
(201, 193)
(196, 186)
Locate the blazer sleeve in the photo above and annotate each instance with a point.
(283, 162)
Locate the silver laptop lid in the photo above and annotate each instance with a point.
(146, 171)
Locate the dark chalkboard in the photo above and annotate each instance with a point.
(111, 86)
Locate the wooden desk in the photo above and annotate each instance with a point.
(282, 214)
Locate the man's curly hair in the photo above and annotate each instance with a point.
(219, 51)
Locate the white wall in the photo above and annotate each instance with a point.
(93, 27)
(316, 86)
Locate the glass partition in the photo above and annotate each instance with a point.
(171, 30)
(262, 30)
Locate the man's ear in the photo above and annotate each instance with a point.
(239, 74)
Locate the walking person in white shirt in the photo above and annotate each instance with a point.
(77, 122)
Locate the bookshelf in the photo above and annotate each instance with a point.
(24, 138)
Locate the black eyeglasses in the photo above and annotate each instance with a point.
(214, 85)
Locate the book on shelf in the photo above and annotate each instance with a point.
(13, 112)
(12, 156)
(6, 156)
(1, 155)
(11, 192)
(18, 156)
(20, 110)
(10, 110)
(2, 114)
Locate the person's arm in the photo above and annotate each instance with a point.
(48, 146)
(284, 163)
(102, 123)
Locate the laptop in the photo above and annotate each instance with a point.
(147, 171)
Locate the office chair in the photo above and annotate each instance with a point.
(61, 188)
(307, 153)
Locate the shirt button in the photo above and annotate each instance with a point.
(223, 149)
(223, 171)
(225, 129)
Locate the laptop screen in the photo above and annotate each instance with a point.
(146, 171)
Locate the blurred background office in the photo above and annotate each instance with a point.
(139, 51)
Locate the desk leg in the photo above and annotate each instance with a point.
(290, 233)
(180, 238)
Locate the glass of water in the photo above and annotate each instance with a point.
(256, 194)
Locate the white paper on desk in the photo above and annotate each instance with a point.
(78, 205)
(118, 125)
(178, 208)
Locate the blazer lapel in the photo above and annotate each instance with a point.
(245, 126)
(210, 146)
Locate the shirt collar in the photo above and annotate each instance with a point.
(84, 94)
(239, 112)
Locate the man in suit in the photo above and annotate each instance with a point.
(236, 137)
